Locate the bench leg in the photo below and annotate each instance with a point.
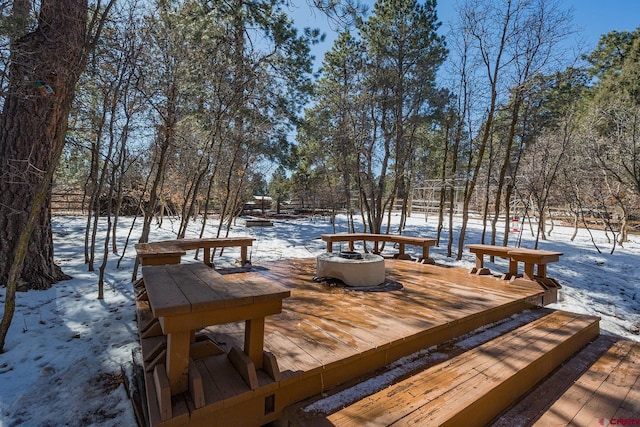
(479, 260)
(243, 255)
(513, 267)
(425, 256)
(400, 250)
(542, 271)
(528, 271)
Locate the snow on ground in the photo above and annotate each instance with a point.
(65, 348)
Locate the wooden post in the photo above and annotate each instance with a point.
(528, 270)
(207, 256)
(254, 340)
(178, 361)
(243, 254)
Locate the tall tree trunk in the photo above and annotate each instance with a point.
(45, 66)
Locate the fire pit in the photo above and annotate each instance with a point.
(352, 268)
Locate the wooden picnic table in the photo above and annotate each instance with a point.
(188, 297)
(531, 258)
(423, 242)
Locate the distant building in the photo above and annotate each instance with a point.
(259, 203)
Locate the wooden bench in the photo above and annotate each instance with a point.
(529, 257)
(170, 251)
(258, 223)
(159, 253)
(351, 238)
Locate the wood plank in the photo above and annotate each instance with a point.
(225, 378)
(408, 396)
(212, 396)
(230, 293)
(179, 410)
(270, 366)
(603, 389)
(245, 367)
(195, 386)
(257, 285)
(154, 329)
(496, 387)
(153, 352)
(194, 281)
(164, 296)
(221, 242)
(322, 345)
(163, 392)
(204, 348)
(630, 407)
(572, 402)
(292, 359)
(254, 340)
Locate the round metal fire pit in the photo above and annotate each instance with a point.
(367, 270)
(350, 255)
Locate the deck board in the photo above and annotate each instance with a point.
(608, 390)
(325, 325)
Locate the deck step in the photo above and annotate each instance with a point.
(474, 387)
(609, 392)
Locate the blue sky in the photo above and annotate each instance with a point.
(591, 18)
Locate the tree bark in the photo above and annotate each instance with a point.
(45, 66)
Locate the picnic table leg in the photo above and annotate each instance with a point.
(329, 246)
(178, 361)
(254, 340)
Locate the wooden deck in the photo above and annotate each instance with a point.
(327, 336)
